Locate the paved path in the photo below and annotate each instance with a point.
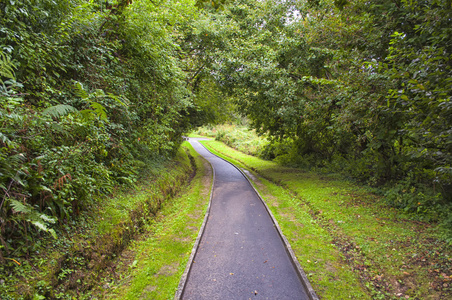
(240, 255)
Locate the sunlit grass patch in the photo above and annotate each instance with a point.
(237, 136)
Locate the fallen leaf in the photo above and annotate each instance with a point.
(231, 273)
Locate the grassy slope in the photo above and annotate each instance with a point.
(153, 265)
(349, 244)
(83, 261)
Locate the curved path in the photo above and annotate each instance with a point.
(240, 254)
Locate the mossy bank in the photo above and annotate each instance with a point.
(82, 262)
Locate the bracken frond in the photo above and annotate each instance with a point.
(59, 110)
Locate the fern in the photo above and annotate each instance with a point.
(59, 110)
(99, 110)
(6, 67)
(118, 100)
(14, 161)
(80, 91)
(31, 215)
(11, 103)
(98, 93)
(4, 139)
(20, 207)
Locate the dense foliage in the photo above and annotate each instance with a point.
(91, 93)
(357, 86)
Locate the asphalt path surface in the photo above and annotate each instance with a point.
(240, 254)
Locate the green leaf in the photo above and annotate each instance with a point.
(30, 214)
(19, 207)
(99, 110)
(6, 67)
(79, 90)
(59, 110)
(404, 97)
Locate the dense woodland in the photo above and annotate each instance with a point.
(93, 92)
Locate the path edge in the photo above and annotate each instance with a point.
(300, 272)
(183, 280)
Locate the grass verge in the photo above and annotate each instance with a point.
(348, 242)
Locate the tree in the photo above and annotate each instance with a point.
(360, 85)
(100, 94)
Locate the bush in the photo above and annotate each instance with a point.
(97, 104)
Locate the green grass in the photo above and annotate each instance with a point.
(154, 265)
(237, 136)
(348, 242)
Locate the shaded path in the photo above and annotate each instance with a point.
(240, 254)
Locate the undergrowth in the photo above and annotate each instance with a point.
(85, 104)
(70, 266)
